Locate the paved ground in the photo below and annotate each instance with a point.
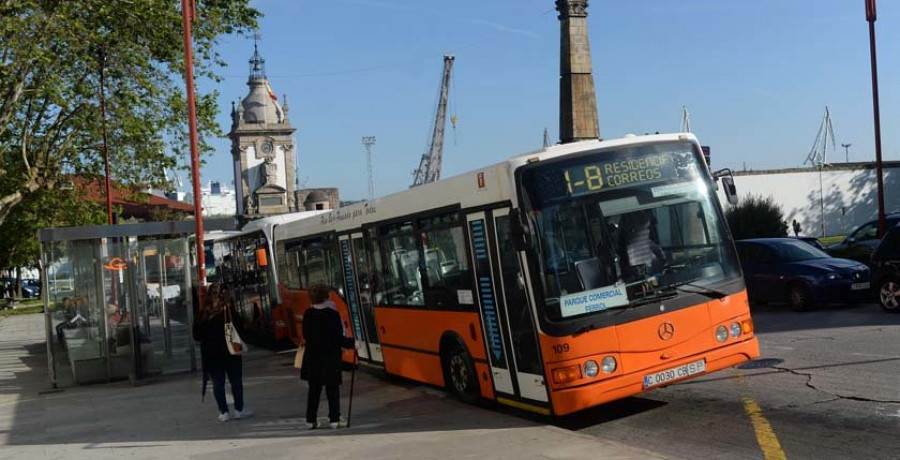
(829, 389)
(165, 419)
(826, 388)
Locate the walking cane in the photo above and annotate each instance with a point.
(352, 381)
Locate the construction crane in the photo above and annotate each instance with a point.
(430, 165)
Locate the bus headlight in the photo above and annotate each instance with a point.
(721, 333)
(591, 368)
(609, 364)
(735, 330)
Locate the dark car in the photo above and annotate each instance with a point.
(30, 288)
(886, 271)
(861, 242)
(785, 269)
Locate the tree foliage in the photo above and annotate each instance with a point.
(756, 217)
(19, 246)
(51, 56)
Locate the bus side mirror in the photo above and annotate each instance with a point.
(520, 230)
(730, 189)
(727, 184)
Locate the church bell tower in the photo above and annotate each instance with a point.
(262, 147)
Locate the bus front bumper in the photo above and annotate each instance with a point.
(569, 400)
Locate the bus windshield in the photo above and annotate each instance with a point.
(626, 227)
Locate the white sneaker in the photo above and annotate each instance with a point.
(246, 413)
(334, 425)
(224, 417)
(311, 425)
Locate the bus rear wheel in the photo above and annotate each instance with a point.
(459, 374)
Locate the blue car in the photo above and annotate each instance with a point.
(786, 269)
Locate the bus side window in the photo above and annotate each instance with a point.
(400, 273)
(446, 266)
(315, 263)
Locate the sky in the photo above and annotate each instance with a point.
(755, 76)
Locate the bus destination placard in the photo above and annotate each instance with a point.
(594, 300)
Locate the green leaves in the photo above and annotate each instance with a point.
(51, 56)
(756, 217)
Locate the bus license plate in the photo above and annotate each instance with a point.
(859, 286)
(676, 373)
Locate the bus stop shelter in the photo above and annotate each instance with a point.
(118, 300)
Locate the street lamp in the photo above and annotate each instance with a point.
(846, 152)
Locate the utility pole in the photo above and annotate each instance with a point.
(188, 14)
(369, 142)
(846, 152)
(871, 17)
(109, 212)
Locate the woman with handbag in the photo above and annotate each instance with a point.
(323, 334)
(214, 328)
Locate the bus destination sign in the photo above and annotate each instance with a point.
(593, 177)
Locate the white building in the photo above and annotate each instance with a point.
(217, 200)
(834, 202)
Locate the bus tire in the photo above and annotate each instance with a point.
(460, 376)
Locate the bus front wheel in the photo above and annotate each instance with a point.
(459, 374)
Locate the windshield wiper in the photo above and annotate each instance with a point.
(702, 290)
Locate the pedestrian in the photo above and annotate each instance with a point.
(218, 363)
(323, 336)
(796, 227)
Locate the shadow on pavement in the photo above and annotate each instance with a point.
(168, 409)
(609, 412)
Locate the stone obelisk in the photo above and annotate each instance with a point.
(577, 99)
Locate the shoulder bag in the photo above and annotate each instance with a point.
(232, 339)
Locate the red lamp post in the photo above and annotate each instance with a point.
(871, 17)
(188, 15)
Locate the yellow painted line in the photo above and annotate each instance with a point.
(524, 406)
(765, 436)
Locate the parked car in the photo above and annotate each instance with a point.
(30, 288)
(861, 242)
(792, 271)
(886, 270)
(33, 285)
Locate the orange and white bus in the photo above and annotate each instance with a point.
(553, 282)
(240, 261)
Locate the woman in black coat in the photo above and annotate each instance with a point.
(323, 334)
(218, 363)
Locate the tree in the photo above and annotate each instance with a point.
(756, 217)
(51, 56)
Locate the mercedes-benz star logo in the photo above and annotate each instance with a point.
(666, 331)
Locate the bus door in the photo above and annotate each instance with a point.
(522, 331)
(508, 327)
(355, 283)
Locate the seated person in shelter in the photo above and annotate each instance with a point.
(69, 313)
(641, 256)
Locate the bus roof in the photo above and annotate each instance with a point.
(487, 185)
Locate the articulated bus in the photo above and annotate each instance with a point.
(552, 282)
(240, 261)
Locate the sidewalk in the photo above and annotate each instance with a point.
(166, 419)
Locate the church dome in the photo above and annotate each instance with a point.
(259, 106)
